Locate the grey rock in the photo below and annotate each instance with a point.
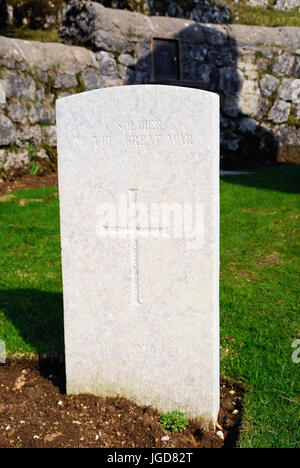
(288, 135)
(215, 38)
(19, 85)
(280, 112)
(122, 73)
(49, 135)
(126, 60)
(287, 5)
(7, 131)
(247, 125)
(288, 138)
(17, 112)
(3, 155)
(16, 164)
(263, 107)
(207, 75)
(290, 90)
(63, 94)
(2, 93)
(284, 64)
(257, 3)
(41, 113)
(40, 94)
(90, 24)
(263, 64)
(229, 80)
(65, 80)
(297, 68)
(229, 105)
(268, 85)
(29, 134)
(42, 154)
(200, 54)
(298, 111)
(92, 79)
(206, 12)
(110, 82)
(107, 64)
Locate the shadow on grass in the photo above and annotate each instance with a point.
(38, 317)
(283, 178)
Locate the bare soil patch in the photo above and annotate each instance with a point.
(35, 412)
(29, 181)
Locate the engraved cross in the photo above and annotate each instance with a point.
(134, 232)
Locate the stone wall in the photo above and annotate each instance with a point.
(32, 76)
(255, 70)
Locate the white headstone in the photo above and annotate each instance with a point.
(139, 196)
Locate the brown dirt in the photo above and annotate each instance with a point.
(35, 413)
(29, 181)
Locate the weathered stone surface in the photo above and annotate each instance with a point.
(49, 135)
(256, 3)
(284, 64)
(16, 164)
(3, 155)
(247, 125)
(92, 79)
(213, 54)
(7, 131)
(19, 85)
(290, 90)
(107, 64)
(2, 93)
(289, 150)
(230, 105)
(29, 133)
(143, 326)
(17, 112)
(297, 68)
(40, 94)
(101, 28)
(206, 12)
(280, 111)
(229, 80)
(251, 104)
(92, 25)
(126, 60)
(248, 70)
(110, 82)
(41, 113)
(65, 80)
(269, 84)
(45, 56)
(287, 5)
(263, 64)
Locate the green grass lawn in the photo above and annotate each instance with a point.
(28, 34)
(258, 295)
